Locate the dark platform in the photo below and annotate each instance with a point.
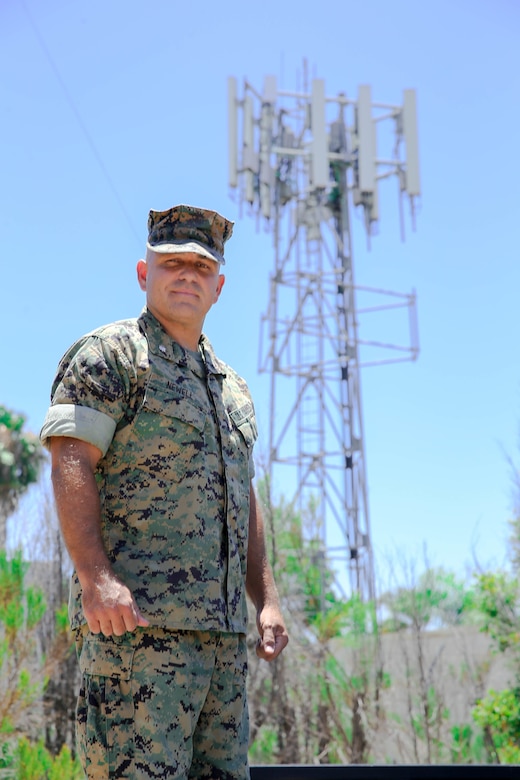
(386, 772)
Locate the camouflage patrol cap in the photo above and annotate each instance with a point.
(189, 229)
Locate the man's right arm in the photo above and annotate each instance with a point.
(108, 605)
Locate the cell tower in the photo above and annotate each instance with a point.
(302, 160)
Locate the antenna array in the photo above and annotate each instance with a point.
(301, 160)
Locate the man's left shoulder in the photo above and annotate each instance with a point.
(235, 383)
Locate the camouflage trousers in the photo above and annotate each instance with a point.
(163, 704)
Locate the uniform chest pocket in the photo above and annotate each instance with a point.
(174, 405)
(170, 430)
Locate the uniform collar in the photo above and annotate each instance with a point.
(160, 343)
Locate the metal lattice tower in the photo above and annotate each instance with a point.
(302, 161)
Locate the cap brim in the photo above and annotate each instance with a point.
(187, 246)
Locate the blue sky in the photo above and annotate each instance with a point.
(112, 108)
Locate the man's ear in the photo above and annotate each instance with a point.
(142, 270)
(220, 285)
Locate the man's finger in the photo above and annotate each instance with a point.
(135, 619)
(271, 644)
(260, 650)
(106, 627)
(268, 640)
(94, 626)
(281, 641)
(266, 645)
(119, 625)
(142, 621)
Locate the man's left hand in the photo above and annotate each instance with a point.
(273, 634)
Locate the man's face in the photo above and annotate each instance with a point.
(180, 288)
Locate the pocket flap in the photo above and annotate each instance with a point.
(173, 403)
(103, 657)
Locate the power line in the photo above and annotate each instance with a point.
(81, 123)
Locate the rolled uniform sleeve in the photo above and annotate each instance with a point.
(79, 422)
(90, 393)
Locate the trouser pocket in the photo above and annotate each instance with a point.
(105, 710)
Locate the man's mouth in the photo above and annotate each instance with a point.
(184, 291)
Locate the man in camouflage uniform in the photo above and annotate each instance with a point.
(151, 437)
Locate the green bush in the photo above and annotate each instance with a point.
(32, 761)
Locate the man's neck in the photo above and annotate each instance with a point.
(187, 336)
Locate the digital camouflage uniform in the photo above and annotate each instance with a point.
(176, 436)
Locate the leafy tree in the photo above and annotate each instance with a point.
(51, 567)
(467, 745)
(21, 609)
(28, 760)
(499, 602)
(20, 459)
(498, 713)
(434, 598)
(24, 670)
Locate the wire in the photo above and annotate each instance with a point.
(81, 124)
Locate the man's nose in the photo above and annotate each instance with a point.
(187, 271)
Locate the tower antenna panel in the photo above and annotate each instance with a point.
(232, 133)
(366, 141)
(319, 151)
(413, 184)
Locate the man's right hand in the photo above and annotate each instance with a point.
(109, 606)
